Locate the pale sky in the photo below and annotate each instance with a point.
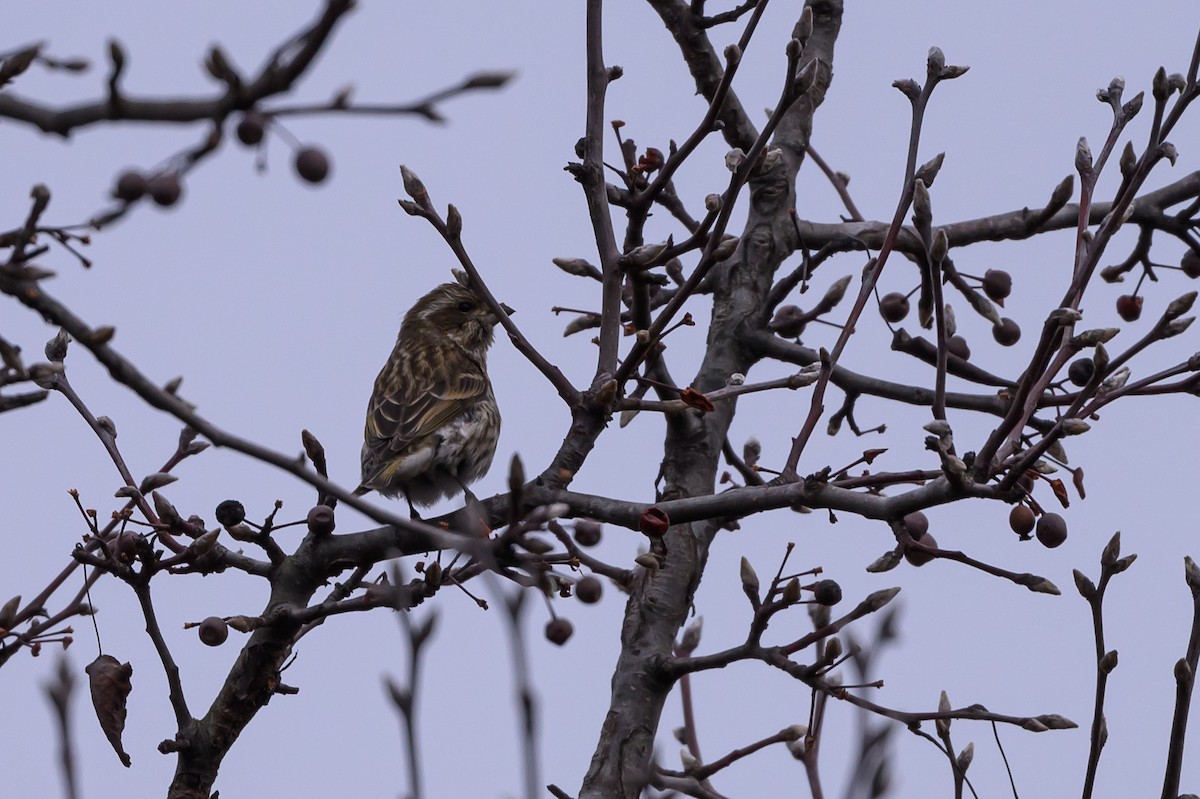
(278, 303)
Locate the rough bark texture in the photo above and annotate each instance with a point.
(252, 681)
(660, 600)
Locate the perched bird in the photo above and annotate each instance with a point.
(432, 421)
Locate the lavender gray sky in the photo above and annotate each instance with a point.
(278, 303)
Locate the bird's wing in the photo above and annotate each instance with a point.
(403, 411)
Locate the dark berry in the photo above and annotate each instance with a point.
(1051, 530)
(588, 590)
(124, 546)
(251, 127)
(130, 186)
(230, 512)
(558, 631)
(917, 524)
(1007, 333)
(165, 189)
(320, 520)
(997, 284)
(1129, 307)
(213, 631)
(894, 307)
(827, 592)
(1080, 371)
(1191, 264)
(919, 557)
(587, 532)
(312, 165)
(1021, 520)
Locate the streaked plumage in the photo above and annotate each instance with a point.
(432, 422)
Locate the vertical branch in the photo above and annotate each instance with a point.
(812, 749)
(59, 693)
(183, 717)
(526, 700)
(1185, 680)
(595, 191)
(405, 699)
(1099, 731)
(919, 96)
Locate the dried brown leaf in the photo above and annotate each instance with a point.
(110, 684)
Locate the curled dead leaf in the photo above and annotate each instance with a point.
(696, 399)
(110, 684)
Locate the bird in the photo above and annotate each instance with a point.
(432, 420)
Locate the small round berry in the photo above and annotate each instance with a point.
(165, 189)
(917, 524)
(1129, 307)
(131, 186)
(1007, 333)
(213, 631)
(958, 347)
(1051, 530)
(894, 307)
(558, 631)
(1021, 520)
(230, 512)
(124, 546)
(587, 532)
(997, 284)
(1191, 264)
(251, 127)
(918, 557)
(827, 592)
(312, 165)
(1080, 371)
(320, 520)
(588, 590)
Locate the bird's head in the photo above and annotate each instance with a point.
(457, 313)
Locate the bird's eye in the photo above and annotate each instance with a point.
(466, 307)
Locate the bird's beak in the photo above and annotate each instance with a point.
(506, 309)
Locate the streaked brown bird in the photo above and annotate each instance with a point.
(432, 422)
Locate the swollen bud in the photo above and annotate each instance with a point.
(1159, 87)
(414, 187)
(1128, 161)
(749, 578)
(922, 209)
(940, 246)
(1083, 155)
(935, 62)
